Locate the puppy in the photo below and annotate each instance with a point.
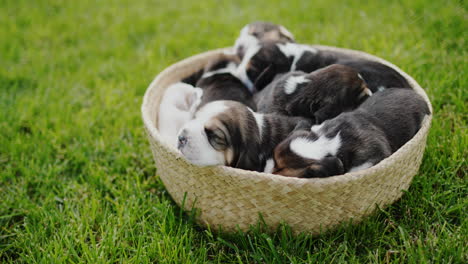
(177, 107)
(229, 133)
(353, 140)
(320, 95)
(377, 75)
(263, 61)
(219, 83)
(224, 61)
(257, 32)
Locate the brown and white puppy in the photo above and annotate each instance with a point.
(320, 95)
(229, 133)
(353, 140)
(264, 61)
(219, 83)
(257, 32)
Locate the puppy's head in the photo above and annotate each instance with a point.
(305, 154)
(226, 63)
(222, 133)
(225, 66)
(343, 82)
(261, 63)
(256, 32)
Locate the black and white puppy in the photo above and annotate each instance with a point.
(219, 83)
(224, 61)
(264, 61)
(257, 32)
(229, 133)
(377, 75)
(320, 95)
(353, 140)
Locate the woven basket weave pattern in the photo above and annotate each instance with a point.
(231, 198)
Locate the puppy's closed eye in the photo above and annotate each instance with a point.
(217, 138)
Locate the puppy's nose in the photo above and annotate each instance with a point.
(182, 140)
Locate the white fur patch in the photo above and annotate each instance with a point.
(316, 128)
(241, 71)
(363, 166)
(292, 82)
(365, 92)
(368, 92)
(294, 50)
(269, 166)
(317, 149)
(360, 77)
(176, 109)
(245, 40)
(210, 110)
(259, 120)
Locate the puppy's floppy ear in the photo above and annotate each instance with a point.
(194, 99)
(286, 33)
(265, 77)
(326, 167)
(189, 100)
(303, 125)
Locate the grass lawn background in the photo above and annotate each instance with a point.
(77, 179)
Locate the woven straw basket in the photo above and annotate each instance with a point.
(233, 199)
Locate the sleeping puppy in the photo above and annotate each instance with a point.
(264, 61)
(377, 75)
(251, 35)
(353, 140)
(256, 32)
(219, 83)
(229, 133)
(224, 61)
(320, 95)
(179, 102)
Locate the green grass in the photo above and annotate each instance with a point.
(77, 179)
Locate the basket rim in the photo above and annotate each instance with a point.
(151, 128)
